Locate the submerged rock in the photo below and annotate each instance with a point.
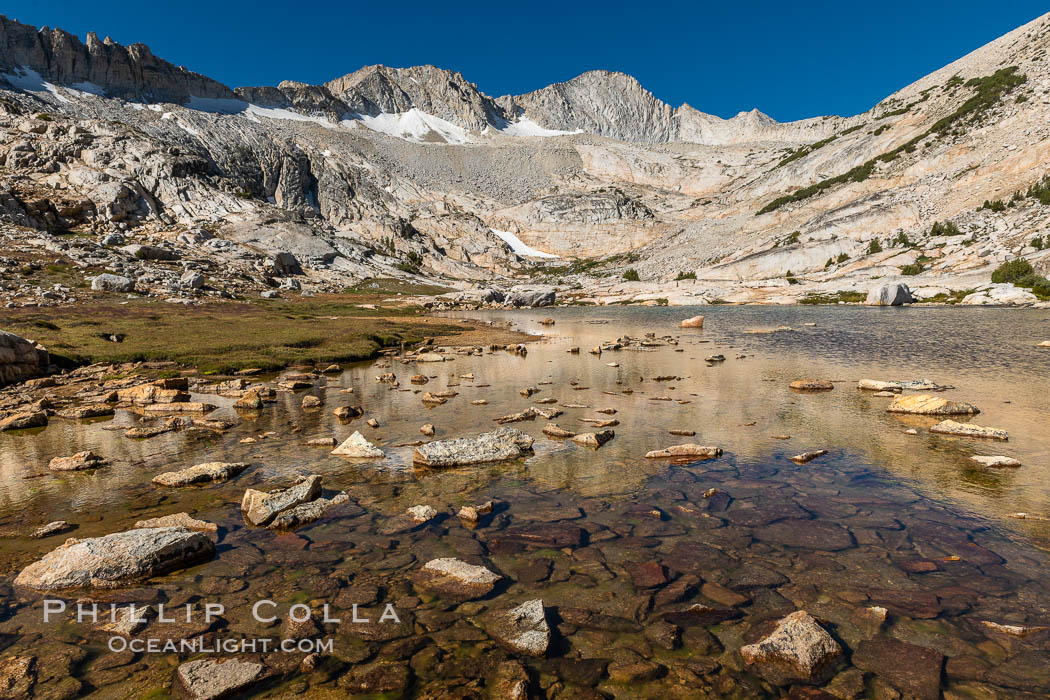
(950, 427)
(523, 630)
(686, 450)
(260, 507)
(208, 471)
(456, 579)
(799, 649)
(117, 559)
(495, 446)
(911, 669)
(357, 446)
(211, 679)
(928, 405)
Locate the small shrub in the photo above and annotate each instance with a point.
(995, 206)
(1037, 243)
(1012, 271)
(913, 269)
(843, 257)
(685, 276)
(793, 238)
(631, 275)
(902, 240)
(945, 229)
(829, 263)
(874, 246)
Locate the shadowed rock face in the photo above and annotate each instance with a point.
(131, 72)
(19, 359)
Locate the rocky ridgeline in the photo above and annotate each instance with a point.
(128, 72)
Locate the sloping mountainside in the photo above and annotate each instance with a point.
(115, 160)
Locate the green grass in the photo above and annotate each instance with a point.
(988, 90)
(221, 338)
(849, 297)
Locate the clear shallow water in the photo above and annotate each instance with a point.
(838, 533)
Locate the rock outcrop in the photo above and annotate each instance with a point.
(889, 295)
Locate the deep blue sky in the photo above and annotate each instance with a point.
(789, 59)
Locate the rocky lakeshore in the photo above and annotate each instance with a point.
(758, 523)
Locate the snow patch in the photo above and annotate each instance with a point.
(415, 125)
(527, 127)
(519, 247)
(29, 80)
(287, 114)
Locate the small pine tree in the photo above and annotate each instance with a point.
(874, 246)
(631, 275)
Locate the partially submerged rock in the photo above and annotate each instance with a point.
(260, 507)
(199, 473)
(117, 559)
(456, 579)
(81, 460)
(686, 450)
(996, 461)
(812, 385)
(929, 405)
(306, 512)
(556, 431)
(950, 427)
(96, 410)
(211, 679)
(24, 420)
(807, 457)
(523, 629)
(359, 447)
(799, 649)
(422, 513)
(594, 440)
(52, 528)
(179, 520)
(494, 446)
(694, 322)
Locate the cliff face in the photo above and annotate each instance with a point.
(132, 72)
